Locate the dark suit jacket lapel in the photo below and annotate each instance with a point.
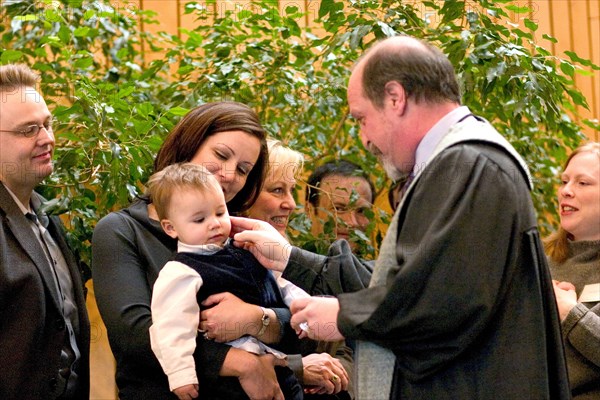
(21, 229)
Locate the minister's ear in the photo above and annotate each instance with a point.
(395, 96)
(168, 228)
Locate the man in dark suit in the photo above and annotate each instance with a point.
(44, 327)
(460, 303)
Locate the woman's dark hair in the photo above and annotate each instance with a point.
(182, 144)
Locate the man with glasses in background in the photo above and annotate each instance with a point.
(44, 327)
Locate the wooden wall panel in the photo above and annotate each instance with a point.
(102, 362)
(574, 23)
(168, 15)
(576, 26)
(542, 15)
(581, 45)
(594, 45)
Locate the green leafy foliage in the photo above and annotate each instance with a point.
(116, 90)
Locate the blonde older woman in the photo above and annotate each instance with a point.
(275, 204)
(574, 256)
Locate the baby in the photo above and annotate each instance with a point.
(191, 207)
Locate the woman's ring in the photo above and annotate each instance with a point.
(334, 378)
(206, 336)
(304, 326)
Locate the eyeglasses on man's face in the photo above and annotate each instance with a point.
(30, 131)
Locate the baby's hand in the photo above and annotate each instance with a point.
(187, 392)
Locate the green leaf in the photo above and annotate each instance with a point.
(452, 10)
(574, 57)
(530, 24)
(52, 15)
(386, 29)
(524, 34)
(245, 14)
(291, 10)
(126, 91)
(327, 6)
(27, 17)
(567, 68)
(10, 56)
(178, 111)
(578, 98)
(541, 66)
(518, 10)
(82, 31)
(89, 14)
(64, 34)
(84, 63)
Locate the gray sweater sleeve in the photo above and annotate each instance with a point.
(581, 328)
(338, 272)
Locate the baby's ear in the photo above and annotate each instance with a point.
(168, 228)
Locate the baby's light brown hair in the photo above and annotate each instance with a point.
(162, 185)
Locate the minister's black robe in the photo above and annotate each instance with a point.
(469, 311)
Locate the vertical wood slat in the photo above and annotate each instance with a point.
(551, 21)
(594, 44)
(579, 31)
(542, 16)
(595, 79)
